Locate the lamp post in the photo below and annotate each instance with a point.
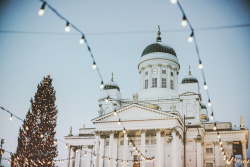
(184, 138)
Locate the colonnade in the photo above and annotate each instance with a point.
(112, 153)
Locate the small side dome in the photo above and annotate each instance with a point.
(203, 106)
(111, 85)
(189, 78)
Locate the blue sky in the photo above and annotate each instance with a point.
(117, 32)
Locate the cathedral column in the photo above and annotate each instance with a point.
(97, 148)
(168, 77)
(88, 157)
(111, 148)
(158, 148)
(159, 76)
(143, 136)
(162, 149)
(125, 150)
(74, 156)
(69, 151)
(116, 135)
(198, 153)
(174, 150)
(217, 154)
(244, 153)
(101, 154)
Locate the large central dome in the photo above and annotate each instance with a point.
(158, 47)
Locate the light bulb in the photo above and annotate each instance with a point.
(11, 117)
(124, 130)
(41, 11)
(218, 136)
(106, 100)
(221, 147)
(94, 65)
(205, 86)
(66, 146)
(67, 28)
(41, 135)
(173, 1)
(215, 127)
(127, 138)
(27, 128)
(54, 142)
(85, 154)
(119, 122)
(212, 116)
(101, 86)
(220, 142)
(115, 113)
(190, 38)
(209, 103)
(184, 21)
(82, 40)
(130, 143)
(200, 65)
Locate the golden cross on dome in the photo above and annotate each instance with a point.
(112, 78)
(158, 39)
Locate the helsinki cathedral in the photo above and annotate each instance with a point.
(162, 125)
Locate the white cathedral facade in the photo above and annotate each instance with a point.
(149, 130)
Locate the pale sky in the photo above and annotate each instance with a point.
(118, 31)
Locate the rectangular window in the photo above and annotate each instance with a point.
(164, 72)
(146, 84)
(209, 150)
(154, 82)
(164, 82)
(172, 74)
(171, 84)
(146, 73)
(209, 164)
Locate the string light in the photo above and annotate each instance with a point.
(200, 65)
(119, 122)
(94, 65)
(101, 86)
(41, 11)
(190, 38)
(215, 127)
(85, 154)
(205, 86)
(27, 128)
(115, 113)
(212, 116)
(82, 40)
(41, 135)
(11, 117)
(124, 130)
(209, 103)
(107, 99)
(67, 28)
(173, 1)
(184, 21)
(218, 136)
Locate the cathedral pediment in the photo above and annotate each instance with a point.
(135, 112)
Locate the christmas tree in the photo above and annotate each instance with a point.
(36, 141)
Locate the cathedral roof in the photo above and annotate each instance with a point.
(158, 47)
(189, 78)
(111, 85)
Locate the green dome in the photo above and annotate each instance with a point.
(189, 79)
(158, 47)
(203, 106)
(111, 85)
